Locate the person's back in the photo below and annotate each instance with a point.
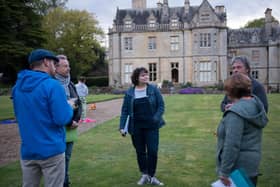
(42, 111)
(38, 102)
(82, 91)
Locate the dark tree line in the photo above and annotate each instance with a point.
(29, 24)
(20, 32)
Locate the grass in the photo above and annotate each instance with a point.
(102, 158)
(7, 112)
(6, 108)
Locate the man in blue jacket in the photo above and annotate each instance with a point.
(41, 110)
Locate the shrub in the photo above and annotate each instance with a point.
(186, 85)
(165, 84)
(97, 81)
(118, 91)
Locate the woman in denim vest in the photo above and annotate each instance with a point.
(142, 110)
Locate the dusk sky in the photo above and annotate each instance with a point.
(239, 12)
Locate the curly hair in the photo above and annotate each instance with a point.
(238, 85)
(136, 73)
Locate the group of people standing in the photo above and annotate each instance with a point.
(47, 103)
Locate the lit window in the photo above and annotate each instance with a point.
(153, 71)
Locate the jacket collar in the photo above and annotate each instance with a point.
(132, 89)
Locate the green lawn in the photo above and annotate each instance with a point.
(6, 108)
(102, 158)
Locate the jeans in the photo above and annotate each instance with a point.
(145, 142)
(68, 152)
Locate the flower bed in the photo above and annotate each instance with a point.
(191, 91)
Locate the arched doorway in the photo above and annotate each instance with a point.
(175, 75)
(175, 72)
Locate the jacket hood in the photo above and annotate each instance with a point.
(28, 80)
(251, 110)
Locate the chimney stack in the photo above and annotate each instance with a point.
(139, 4)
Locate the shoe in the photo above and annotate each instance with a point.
(155, 181)
(145, 179)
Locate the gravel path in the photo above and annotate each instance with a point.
(10, 140)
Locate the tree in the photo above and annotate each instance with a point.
(20, 32)
(74, 33)
(257, 23)
(42, 7)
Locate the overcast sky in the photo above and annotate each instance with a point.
(239, 12)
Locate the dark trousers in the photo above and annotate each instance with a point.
(254, 180)
(145, 142)
(68, 152)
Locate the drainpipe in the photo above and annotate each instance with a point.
(184, 57)
(267, 69)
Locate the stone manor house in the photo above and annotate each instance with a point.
(189, 44)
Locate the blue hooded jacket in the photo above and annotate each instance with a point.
(41, 110)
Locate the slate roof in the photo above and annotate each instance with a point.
(139, 16)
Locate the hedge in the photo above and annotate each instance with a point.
(97, 81)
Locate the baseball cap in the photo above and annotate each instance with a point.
(39, 54)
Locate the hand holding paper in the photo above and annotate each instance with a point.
(125, 130)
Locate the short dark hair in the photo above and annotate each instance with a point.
(238, 85)
(36, 64)
(244, 60)
(136, 73)
(82, 79)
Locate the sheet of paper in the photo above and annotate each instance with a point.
(219, 183)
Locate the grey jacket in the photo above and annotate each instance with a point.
(240, 136)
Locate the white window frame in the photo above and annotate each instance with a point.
(127, 73)
(152, 23)
(128, 24)
(128, 43)
(152, 71)
(205, 40)
(152, 42)
(174, 43)
(174, 23)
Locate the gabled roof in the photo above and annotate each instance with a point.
(139, 16)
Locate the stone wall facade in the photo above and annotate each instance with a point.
(189, 44)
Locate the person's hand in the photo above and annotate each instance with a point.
(228, 106)
(123, 133)
(74, 125)
(225, 180)
(72, 103)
